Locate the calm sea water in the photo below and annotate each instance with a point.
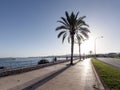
(14, 63)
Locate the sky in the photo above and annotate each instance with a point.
(27, 27)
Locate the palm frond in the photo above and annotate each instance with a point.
(80, 38)
(62, 22)
(85, 24)
(73, 19)
(81, 18)
(61, 27)
(68, 17)
(85, 34)
(84, 29)
(76, 15)
(62, 32)
(81, 22)
(65, 21)
(64, 36)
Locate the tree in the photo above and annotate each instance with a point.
(79, 42)
(83, 35)
(72, 27)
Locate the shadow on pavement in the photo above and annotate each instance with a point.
(74, 63)
(77, 62)
(44, 80)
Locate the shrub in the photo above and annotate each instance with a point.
(43, 61)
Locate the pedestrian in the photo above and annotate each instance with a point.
(66, 58)
(55, 59)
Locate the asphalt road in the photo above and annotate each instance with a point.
(115, 63)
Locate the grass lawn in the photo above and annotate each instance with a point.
(109, 74)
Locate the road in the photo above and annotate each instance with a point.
(115, 63)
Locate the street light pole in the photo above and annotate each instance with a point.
(95, 44)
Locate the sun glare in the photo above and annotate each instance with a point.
(86, 47)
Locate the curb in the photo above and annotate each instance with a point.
(99, 83)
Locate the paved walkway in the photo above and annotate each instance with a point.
(20, 81)
(77, 77)
(59, 77)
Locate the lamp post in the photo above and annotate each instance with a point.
(95, 44)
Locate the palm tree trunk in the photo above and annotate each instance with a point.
(72, 49)
(79, 51)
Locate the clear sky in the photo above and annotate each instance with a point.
(27, 27)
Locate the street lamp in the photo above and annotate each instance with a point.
(95, 43)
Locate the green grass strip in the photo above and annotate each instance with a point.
(109, 74)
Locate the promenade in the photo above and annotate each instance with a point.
(79, 76)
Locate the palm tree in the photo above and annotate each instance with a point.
(83, 35)
(79, 42)
(71, 27)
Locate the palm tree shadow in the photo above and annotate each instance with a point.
(73, 63)
(46, 79)
(77, 62)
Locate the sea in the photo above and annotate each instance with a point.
(15, 63)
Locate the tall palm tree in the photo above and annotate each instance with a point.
(79, 42)
(73, 27)
(83, 35)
